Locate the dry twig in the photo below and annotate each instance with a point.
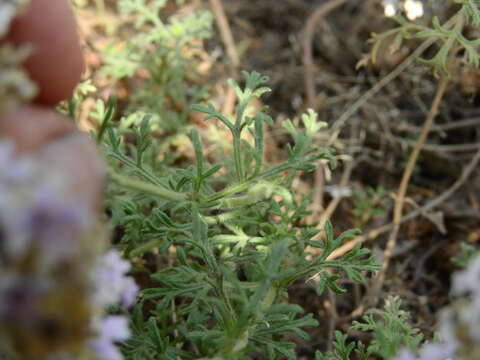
(225, 32)
(332, 205)
(443, 148)
(229, 43)
(402, 190)
(467, 171)
(457, 124)
(309, 31)
(317, 203)
(338, 125)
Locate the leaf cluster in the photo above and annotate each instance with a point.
(370, 203)
(467, 253)
(235, 238)
(390, 331)
(164, 50)
(449, 36)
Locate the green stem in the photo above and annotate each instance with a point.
(142, 186)
(241, 186)
(127, 161)
(269, 298)
(240, 201)
(235, 239)
(223, 218)
(231, 190)
(237, 154)
(230, 318)
(145, 247)
(152, 244)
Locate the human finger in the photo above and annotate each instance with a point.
(55, 63)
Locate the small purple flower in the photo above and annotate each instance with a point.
(39, 218)
(55, 226)
(405, 355)
(432, 351)
(112, 284)
(468, 280)
(129, 293)
(33, 211)
(14, 168)
(111, 329)
(444, 350)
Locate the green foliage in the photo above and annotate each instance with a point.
(390, 331)
(341, 350)
(467, 253)
(163, 50)
(448, 35)
(217, 244)
(238, 237)
(369, 204)
(253, 89)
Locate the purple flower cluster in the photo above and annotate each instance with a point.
(463, 317)
(112, 284)
(14, 169)
(52, 273)
(430, 351)
(35, 216)
(467, 282)
(112, 287)
(110, 330)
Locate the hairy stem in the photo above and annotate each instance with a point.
(155, 190)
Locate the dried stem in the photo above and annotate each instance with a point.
(402, 190)
(338, 125)
(467, 171)
(225, 32)
(332, 205)
(229, 43)
(309, 31)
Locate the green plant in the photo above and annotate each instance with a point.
(164, 51)
(217, 245)
(369, 204)
(237, 247)
(448, 35)
(467, 254)
(390, 331)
